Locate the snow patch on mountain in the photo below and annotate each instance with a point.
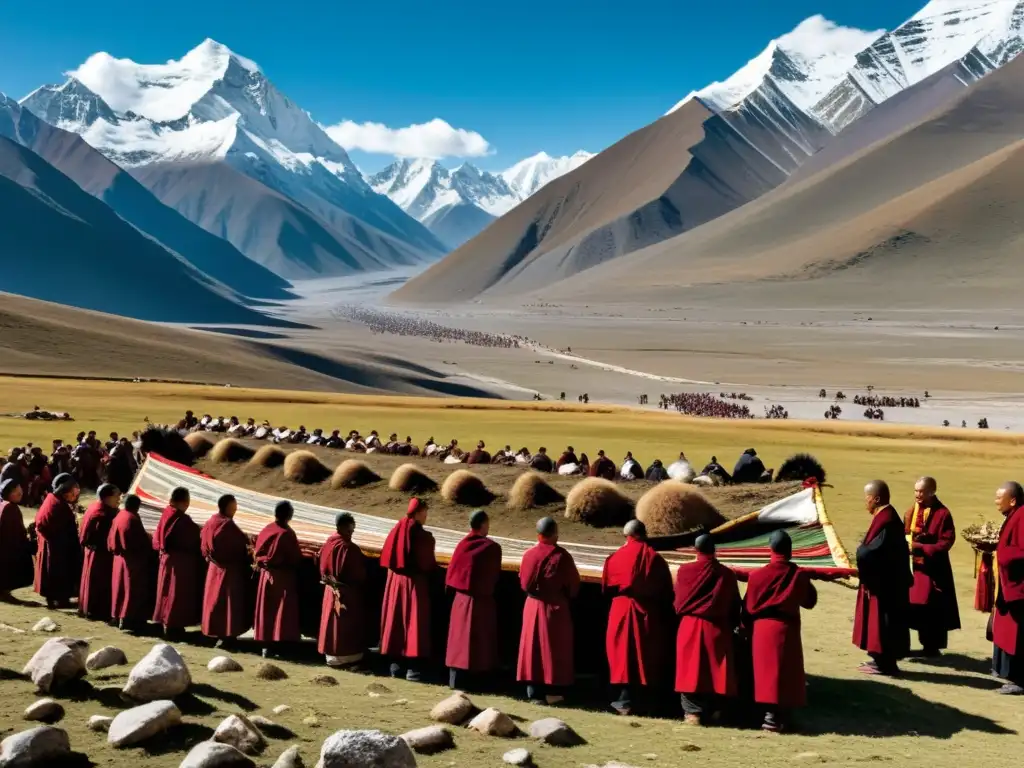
(423, 187)
(529, 175)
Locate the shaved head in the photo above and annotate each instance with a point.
(878, 489)
(547, 527)
(635, 529)
(1009, 496)
(704, 544)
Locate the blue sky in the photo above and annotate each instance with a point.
(532, 75)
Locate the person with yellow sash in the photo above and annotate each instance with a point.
(930, 535)
(1008, 614)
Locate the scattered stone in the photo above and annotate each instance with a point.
(267, 671)
(555, 732)
(428, 740)
(688, 747)
(107, 656)
(213, 754)
(280, 709)
(240, 733)
(312, 721)
(327, 680)
(808, 757)
(521, 757)
(140, 723)
(290, 758)
(377, 688)
(223, 664)
(650, 756)
(613, 764)
(354, 749)
(45, 711)
(161, 674)
(100, 723)
(35, 746)
(262, 722)
(373, 695)
(493, 722)
(58, 661)
(9, 628)
(401, 702)
(46, 624)
(454, 710)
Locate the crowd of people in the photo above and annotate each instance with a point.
(706, 405)
(886, 401)
(409, 325)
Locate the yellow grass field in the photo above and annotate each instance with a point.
(943, 715)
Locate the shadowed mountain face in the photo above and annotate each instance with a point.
(456, 224)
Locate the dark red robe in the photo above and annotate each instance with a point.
(97, 562)
(473, 630)
(58, 553)
(179, 580)
(131, 589)
(342, 613)
(707, 600)
(775, 595)
(408, 554)
(640, 584)
(549, 577)
(1008, 615)
(277, 595)
(883, 563)
(225, 599)
(933, 593)
(15, 549)
(603, 467)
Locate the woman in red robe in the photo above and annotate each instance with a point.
(97, 562)
(278, 558)
(179, 580)
(549, 577)
(131, 593)
(342, 638)
(408, 554)
(226, 612)
(472, 575)
(1008, 614)
(707, 600)
(58, 554)
(15, 545)
(775, 595)
(640, 584)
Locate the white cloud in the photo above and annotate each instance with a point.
(435, 139)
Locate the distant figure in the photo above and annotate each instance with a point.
(750, 469)
(656, 473)
(631, 469)
(342, 638)
(479, 456)
(541, 462)
(603, 467)
(681, 470)
(568, 457)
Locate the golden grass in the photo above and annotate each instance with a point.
(305, 467)
(672, 507)
(268, 456)
(464, 488)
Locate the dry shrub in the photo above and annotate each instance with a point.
(599, 503)
(673, 507)
(465, 488)
(305, 467)
(408, 478)
(352, 473)
(532, 490)
(199, 443)
(230, 450)
(801, 466)
(267, 671)
(268, 457)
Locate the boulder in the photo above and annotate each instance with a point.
(36, 746)
(223, 664)
(107, 656)
(57, 661)
(46, 624)
(290, 758)
(280, 709)
(267, 671)
(555, 732)
(212, 754)
(454, 710)
(428, 740)
(521, 757)
(240, 733)
(356, 749)
(45, 711)
(161, 674)
(100, 723)
(493, 722)
(140, 723)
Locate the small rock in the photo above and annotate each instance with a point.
(290, 758)
(377, 688)
(555, 732)
(58, 661)
(140, 723)
(401, 702)
(312, 721)
(327, 680)
(107, 656)
(650, 756)
(100, 723)
(45, 711)
(808, 757)
(280, 709)
(428, 740)
(267, 671)
(348, 749)
(13, 630)
(521, 757)
(454, 710)
(212, 754)
(161, 674)
(262, 722)
(36, 746)
(46, 624)
(688, 747)
(223, 664)
(240, 733)
(493, 722)
(373, 695)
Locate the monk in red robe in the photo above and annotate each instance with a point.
(603, 467)
(775, 595)
(342, 637)
(640, 585)
(278, 558)
(549, 577)
(225, 599)
(97, 562)
(131, 598)
(883, 599)
(930, 534)
(707, 601)
(58, 553)
(408, 554)
(473, 630)
(15, 546)
(1008, 614)
(178, 582)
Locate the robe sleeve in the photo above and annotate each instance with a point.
(810, 595)
(89, 532)
(424, 552)
(570, 574)
(945, 537)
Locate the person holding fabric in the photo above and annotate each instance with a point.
(342, 638)
(707, 601)
(639, 583)
(549, 577)
(58, 553)
(225, 597)
(131, 597)
(473, 629)
(408, 554)
(97, 562)
(1008, 613)
(16, 568)
(177, 539)
(775, 594)
(278, 558)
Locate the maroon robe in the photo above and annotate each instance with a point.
(883, 563)
(179, 580)
(603, 467)
(131, 596)
(473, 630)
(58, 555)
(97, 562)
(15, 549)
(342, 613)
(408, 554)
(277, 596)
(550, 580)
(933, 593)
(707, 600)
(1008, 616)
(775, 595)
(225, 598)
(640, 584)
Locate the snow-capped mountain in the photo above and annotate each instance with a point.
(529, 175)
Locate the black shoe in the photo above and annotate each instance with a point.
(395, 670)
